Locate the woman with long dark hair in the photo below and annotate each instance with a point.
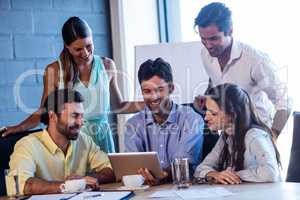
(245, 150)
(95, 78)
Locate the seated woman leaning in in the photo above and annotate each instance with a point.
(244, 151)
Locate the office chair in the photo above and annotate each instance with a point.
(293, 173)
(6, 148)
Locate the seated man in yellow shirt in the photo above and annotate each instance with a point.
(46, 159)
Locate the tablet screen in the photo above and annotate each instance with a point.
(129, 163)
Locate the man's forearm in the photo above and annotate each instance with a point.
(40, 186)
(279, 121)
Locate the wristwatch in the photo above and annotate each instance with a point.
(204, 180)
(199, 180)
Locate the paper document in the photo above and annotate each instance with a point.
(84, 196)
(213, 192)
(101, 195)
(51, 196)
(164, 194)
(190, 193)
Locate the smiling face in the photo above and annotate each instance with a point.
(216, 118)
(215, 41)
(82, 50)
(156, 92)
(70, 120)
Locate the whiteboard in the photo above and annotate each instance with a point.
(189, 75)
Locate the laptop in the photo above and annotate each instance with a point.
(128, 163)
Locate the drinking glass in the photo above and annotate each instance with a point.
(180, 172)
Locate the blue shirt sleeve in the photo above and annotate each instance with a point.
(191, 143)
(133, 139)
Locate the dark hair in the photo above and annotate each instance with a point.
(74, 28)
(56, 100)
(235, 101)
(158, 67)
(215, 14)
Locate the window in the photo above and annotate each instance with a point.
(137, 25)
(134, 22)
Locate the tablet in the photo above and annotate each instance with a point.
(128, 163)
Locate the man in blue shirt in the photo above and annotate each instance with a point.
(173, 131)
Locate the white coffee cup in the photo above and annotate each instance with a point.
(74, 185)
(136, 180)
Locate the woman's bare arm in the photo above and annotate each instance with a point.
(50, 77)
(117, 102)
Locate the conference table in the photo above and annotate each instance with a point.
(245, 191)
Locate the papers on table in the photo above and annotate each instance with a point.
(51, 196)
(101, 195)
(164, 194)
(193, 193)
(84, 196)
(203, 193)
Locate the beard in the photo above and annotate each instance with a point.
(216, 51)
(70, 132)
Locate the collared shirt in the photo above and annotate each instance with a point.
(181, 135)
(253, 71)
(260, 164)
(38, 156)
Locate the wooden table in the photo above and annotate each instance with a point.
(245, 191)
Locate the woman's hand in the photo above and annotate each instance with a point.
(224, 177)
(9, 130)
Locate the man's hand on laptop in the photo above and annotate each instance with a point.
(149, 178)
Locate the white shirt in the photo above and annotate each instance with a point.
(260, 164)
(254, 72)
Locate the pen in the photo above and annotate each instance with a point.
(70, 197)
(92, 196)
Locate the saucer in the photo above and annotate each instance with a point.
(130, 188)
(80, 191)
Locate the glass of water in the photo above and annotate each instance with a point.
(180, 172)
(12, 183)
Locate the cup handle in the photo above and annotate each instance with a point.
(62, 188)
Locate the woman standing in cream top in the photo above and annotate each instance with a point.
(94, 77)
